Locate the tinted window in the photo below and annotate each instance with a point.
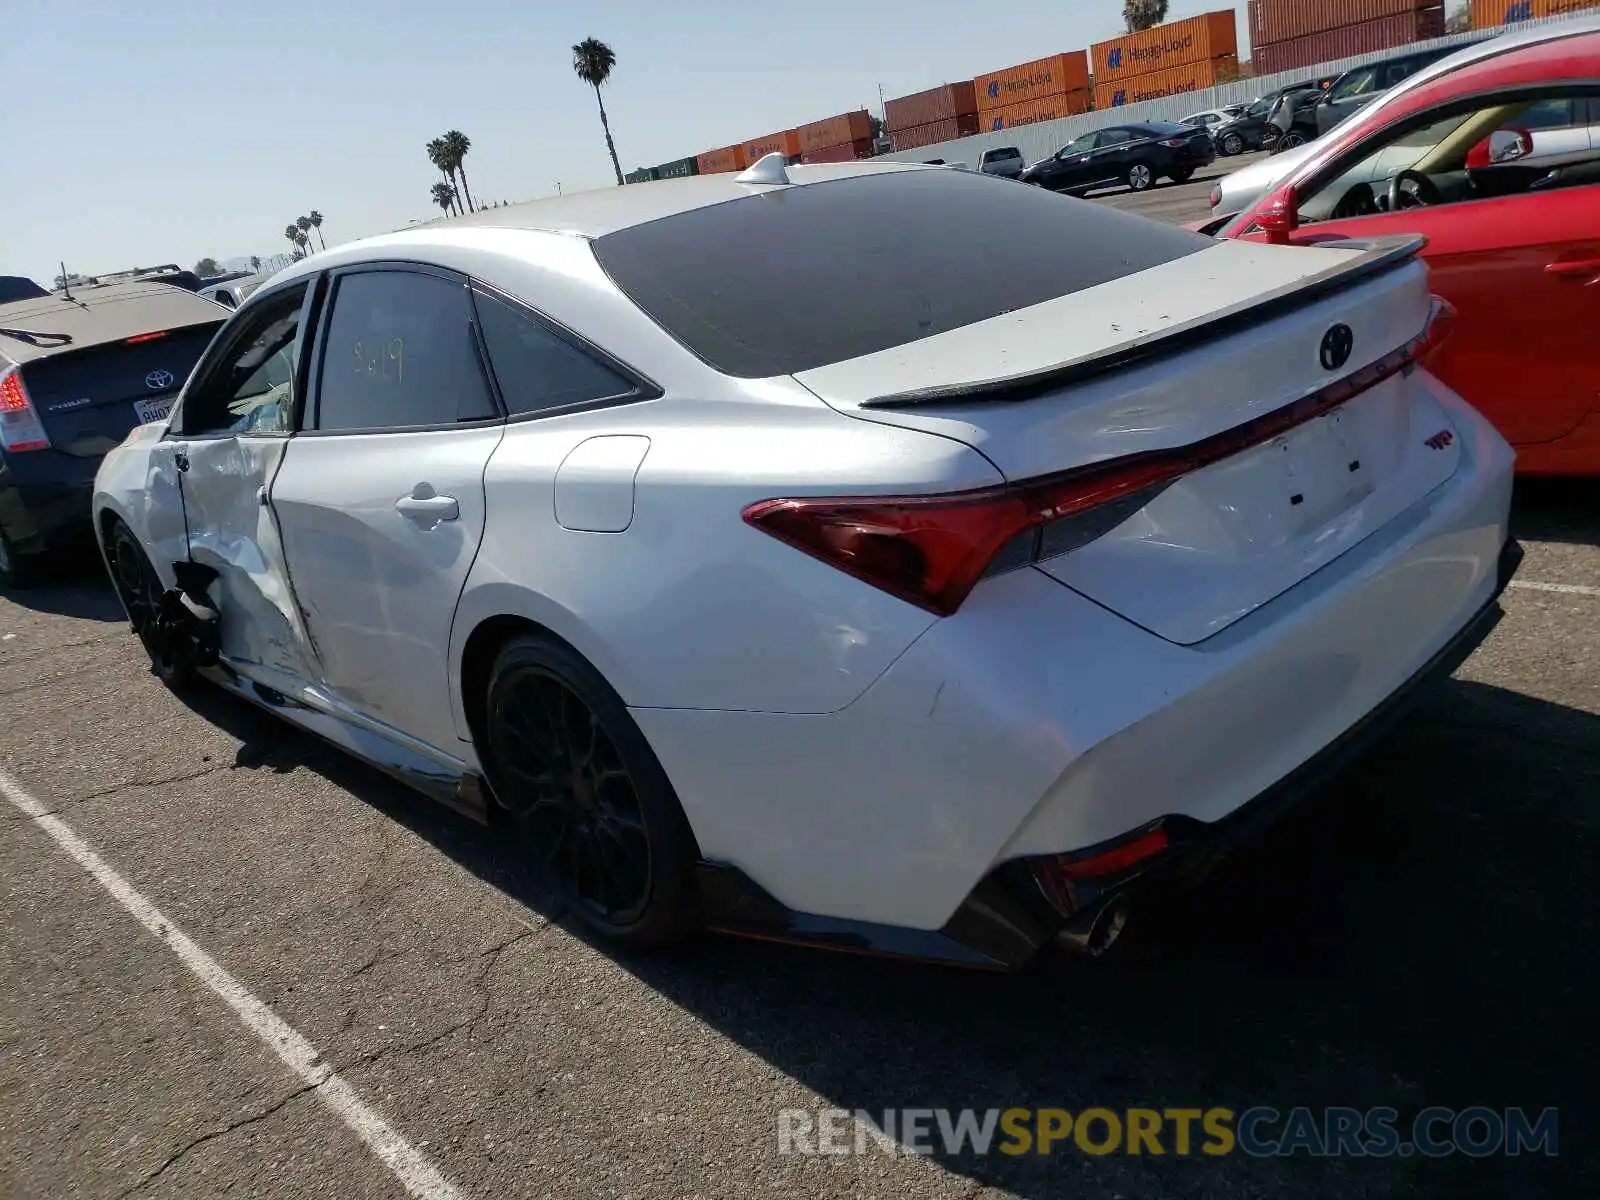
(536, 370)
(400, 354)
(251, 390)
(19, 287)
(1356, 83)
(802, 276)
(1115, 137)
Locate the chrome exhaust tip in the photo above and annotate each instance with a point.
(1092, 934)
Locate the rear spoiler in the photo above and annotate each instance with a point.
(1378, 256)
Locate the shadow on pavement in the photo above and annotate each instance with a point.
(1557, 510)
(72, 585)
(1422, 934)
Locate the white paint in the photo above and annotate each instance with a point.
(419, 1176)
(1565, 589)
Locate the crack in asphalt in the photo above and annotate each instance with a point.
(211, 1135)
(485, 996)
(72, 802)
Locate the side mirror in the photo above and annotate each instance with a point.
(1279, 216)
(1501, 147)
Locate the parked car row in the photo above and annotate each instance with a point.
(1493, 155)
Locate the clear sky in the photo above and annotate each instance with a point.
(161, 131)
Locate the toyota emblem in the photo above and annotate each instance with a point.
(1336, 346)
(160, 381)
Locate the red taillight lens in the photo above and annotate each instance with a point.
(1116, 860)
(144, 337)
(932, 550)
(20, 427)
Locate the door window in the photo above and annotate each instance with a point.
(536, 369)
(1357, 83)
(1114, 137)
(1446, 163)
(1078, 145)
(399, 353)
(252, 389)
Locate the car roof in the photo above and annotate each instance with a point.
(91, 316)
(594, 214)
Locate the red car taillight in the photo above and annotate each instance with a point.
(20, 427)
(1175, 143)
(932, 550)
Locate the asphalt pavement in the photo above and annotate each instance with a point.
(1423, 934)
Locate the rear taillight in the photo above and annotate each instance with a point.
(20, 427)
(144, 337)
(1175, 143)
(932, 550)
(1216, 195)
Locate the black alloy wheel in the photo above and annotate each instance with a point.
(1232, 144)
(584, 792)
(141, 591)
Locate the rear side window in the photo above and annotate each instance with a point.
(400, 354)
(803, 276)
(536, 369)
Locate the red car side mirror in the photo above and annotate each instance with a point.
(1279, 216)
(1500, 147)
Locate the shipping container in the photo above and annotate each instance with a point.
(678, 168)
(1173, 81)
(936, 131)
(1486, 14)
(1031, 112)
(848, 152)
(835, 131)
(729, 158)
(785, 142)
(641, 175)
(1284, 20)
(1391, 33)
(1053, 76)
(936, 104)
(1209, 36)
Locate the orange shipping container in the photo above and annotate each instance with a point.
(729, 158)
(1486, 14)
(786, 143)
(1051, 76)
(1031, 112)
(1152, 86)
(1199, 39)
(835, 131)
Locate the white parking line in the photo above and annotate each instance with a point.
(1565, 589)
(419, 1176)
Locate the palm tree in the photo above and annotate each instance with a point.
(301, 241)
(303, 224)
(456, 144)
(316, 223)
(1142, 14)
(292, 232)
(592, 59)
(444, 196)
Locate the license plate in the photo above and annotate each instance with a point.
(152, 410)
(1323, 472)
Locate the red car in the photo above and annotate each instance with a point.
(1497, 164)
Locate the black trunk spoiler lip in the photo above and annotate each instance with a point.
(1378, 256)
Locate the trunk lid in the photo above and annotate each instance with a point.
(90, 398)
(1166, 358)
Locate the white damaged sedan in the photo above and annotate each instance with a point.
(874, 556)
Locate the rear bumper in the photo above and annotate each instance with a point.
(38, 515)
(1024, 904)
(1036, 724)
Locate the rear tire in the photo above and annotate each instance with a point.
(1231, 145)
(1289, 141)
(17, 571)
(1140, 177)
(141, 590)
(575, 779)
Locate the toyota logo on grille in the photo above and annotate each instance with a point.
(158, 381)
(1336, 346)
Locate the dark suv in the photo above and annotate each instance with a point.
(79, 369)
(1251, 129)
(1134, 154)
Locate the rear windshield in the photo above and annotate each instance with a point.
(799, 277)
(117, 370)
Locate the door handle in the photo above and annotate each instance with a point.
(426, 507)
(1583, 270)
